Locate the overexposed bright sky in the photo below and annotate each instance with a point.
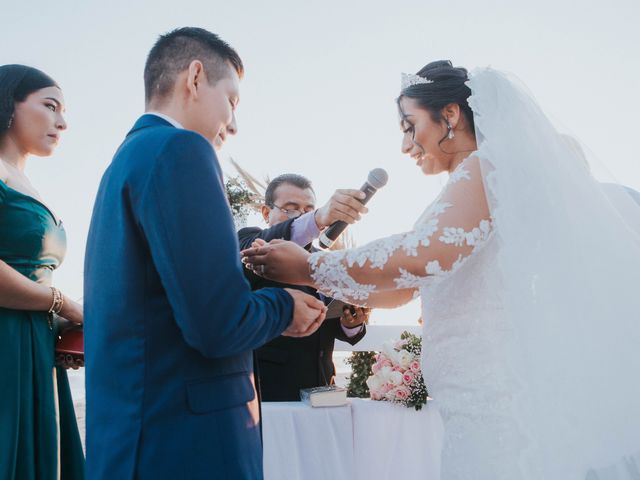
(321, 79)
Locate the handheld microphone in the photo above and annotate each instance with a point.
(377, 179)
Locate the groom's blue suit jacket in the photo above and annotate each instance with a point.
(170, 321)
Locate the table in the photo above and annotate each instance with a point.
(307, 443)
(391, 441)
(364, 440)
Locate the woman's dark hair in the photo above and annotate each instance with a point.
(448, 85)
(17, 82)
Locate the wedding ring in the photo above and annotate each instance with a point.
(261, 270)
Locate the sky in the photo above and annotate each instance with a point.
(318, 94)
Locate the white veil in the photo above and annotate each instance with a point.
(571, 264)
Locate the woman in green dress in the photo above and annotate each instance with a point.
(39, 436)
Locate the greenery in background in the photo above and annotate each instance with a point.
(361, 363)
(241, 200)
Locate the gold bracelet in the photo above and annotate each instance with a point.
(57, 301)
(54, 301)
(59, 309)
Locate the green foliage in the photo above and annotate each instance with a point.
(413, 343)
(419, 392)
(240, 199)
(360, 370)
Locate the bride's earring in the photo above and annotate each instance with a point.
(450, 133)
(10, 122)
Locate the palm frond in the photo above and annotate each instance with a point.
(256, 186)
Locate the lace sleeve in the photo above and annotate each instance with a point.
(449, 231)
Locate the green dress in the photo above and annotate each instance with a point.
(39, 436)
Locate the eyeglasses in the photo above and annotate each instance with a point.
(292, 212)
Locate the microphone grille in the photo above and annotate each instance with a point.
(378, 178)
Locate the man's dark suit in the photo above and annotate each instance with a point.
(288, 364)
(170, 320)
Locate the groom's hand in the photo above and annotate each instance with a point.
(345, 205)
(308, 314)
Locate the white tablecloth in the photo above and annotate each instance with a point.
(304, 443)
(391, 441)
(366, 440)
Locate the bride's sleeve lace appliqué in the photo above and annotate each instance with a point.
(448, 233)
(333, 275)
(379, 251)
(458, 237)
(459, 174)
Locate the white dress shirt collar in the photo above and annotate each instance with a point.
(172, 121)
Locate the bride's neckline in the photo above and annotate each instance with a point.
(462, 162)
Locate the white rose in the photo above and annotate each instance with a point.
(405, 358)
(395, 378)
(389, 350)
(374, 383)
(384, 373)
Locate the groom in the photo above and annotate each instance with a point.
(170, 321)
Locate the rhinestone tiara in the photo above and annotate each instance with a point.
(410, 79)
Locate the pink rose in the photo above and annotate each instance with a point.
(384, 362)
(391, 395)
(385, 388)
(408, 377)
(375, 368)
(402, 393)
(414, 366)
(375, 395)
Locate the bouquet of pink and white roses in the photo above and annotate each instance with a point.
(397, 376)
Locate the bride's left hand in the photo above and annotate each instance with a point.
(278, 260)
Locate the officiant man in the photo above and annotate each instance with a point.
(285, 365)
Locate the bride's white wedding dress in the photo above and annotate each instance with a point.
(530, 287)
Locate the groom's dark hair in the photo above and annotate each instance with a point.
(174, 51)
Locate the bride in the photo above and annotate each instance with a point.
(529, 281)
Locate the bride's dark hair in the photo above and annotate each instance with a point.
(448, 86)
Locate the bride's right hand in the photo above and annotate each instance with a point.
(279, 260)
